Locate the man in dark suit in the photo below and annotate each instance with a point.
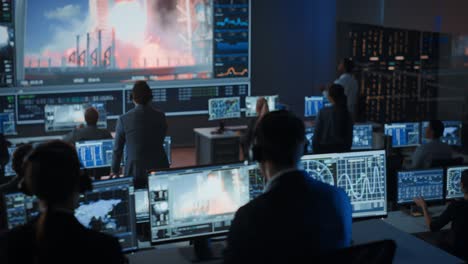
(142, 130)
(296, 217)
(90, 131)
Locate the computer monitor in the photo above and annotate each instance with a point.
(403, 134)
(199, 202)
(110, 208)
(251, 104)
(453, 188)
(312, 105)
(95, 153)
(452, 133)
(362, 175)
(9, 172)
(7, 124)
(69, 116)
(142, 206)
(428, 184)
(362, 137)
(309, 133)
(224, 108)
(20, 209)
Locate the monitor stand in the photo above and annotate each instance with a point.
(221, 129)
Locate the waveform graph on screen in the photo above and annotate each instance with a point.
(321, 169)
(363, 178)
(93, 41)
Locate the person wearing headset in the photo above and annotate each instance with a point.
(296, 216)
(52, 173)
(142, 130)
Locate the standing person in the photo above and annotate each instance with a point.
(457, 214)
(350, 85)
(261, 109)
(296, 217)
(90, 131)
(142, 130)
(334, 125)
(52, 173)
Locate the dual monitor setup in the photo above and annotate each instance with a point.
(189, 203)
(230, 107)
(412, 134)
(434, 185)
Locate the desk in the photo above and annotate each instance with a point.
(409, 248)
(218, 148)
(410, 224)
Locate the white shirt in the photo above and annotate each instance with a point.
(351, 90)
(433, 150)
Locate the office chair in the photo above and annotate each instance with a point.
(444, 163)
(375, 252)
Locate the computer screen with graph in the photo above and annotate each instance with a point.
(428, 184)
(403, 134)
(453, 189)
(362, 137)
(251, 104)
(452, 133)
(201, 201)
(312, 105)
(362, 175)
(224, 108)
(110, 208)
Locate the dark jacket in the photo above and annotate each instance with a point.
(297, 217)
(142, 130)
(67, 241)
(333, 131)
(87, 133)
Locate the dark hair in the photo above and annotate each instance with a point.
(279, 135)
(142, 93)
(464, 181)
(336, 91)
(437, 127)
(55, 171)
(348, 65)
(91, 116)
(17, 161)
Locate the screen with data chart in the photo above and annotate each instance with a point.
(362, 137)
(199, 201)
(224, 108)
(362, 175)
(95, 153)
(452, 133)
(453, 189)
(312, 105)
(403, 134)
(19, 209)
(110, 208)
(428, 184)
(251, 104)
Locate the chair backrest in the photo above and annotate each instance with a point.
(374, 252)
(444, 163)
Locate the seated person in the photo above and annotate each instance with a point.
(90, 131)
(52, 173)
(435, 149)
(334, 125)
(17, 165)
(261, 109)
(296, 217)
(457, 214)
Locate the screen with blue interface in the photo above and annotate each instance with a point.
(224, 108)
(403, 134)
(110, 208)
(452, 133)
(362, 137)
(199, 201)
(20, 209)
(362, 175)
(69, 116)
(251, 104)
(7, 43)
(312, 105)
(428, 184)
(141, 206)
(8, 168)
(309, 134)
(453, 189)
(7, 124)
(96, 153)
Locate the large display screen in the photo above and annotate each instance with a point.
(110, 41)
